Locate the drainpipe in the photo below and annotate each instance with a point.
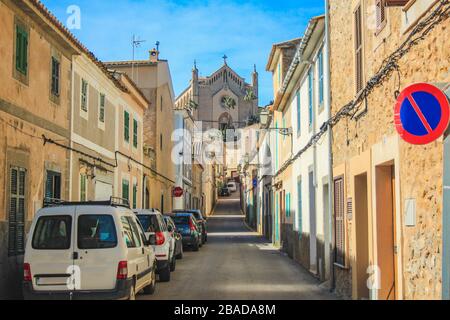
(330, 148)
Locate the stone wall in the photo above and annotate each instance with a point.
(421, 245)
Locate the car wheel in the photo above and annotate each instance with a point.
(180, 255)
(173, 264)
(150, 289)
(196, 246)
(164, 274)
(132, 293)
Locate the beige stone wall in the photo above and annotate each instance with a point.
(26, 113)
(420, 167)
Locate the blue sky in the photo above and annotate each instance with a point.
(189, 30)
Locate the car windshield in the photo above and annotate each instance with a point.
(149, 223)
(96, 232)
(181, 220)
(53, 233)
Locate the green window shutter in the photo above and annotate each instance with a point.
(16, 223)
(55, 76)
(21, 50)
(18, 48)
(125, 190)
(82, 187)
(126, 126)
(288, 205)
(135, 133)
(135, 196)
(321, 78)
(101, 115)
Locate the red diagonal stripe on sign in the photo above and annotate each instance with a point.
(420, 114)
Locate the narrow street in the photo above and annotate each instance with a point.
(237, 264)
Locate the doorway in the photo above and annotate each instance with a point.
(362, 236)
(386, 246)
(312, 224)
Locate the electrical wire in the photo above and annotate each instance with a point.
(389, 65)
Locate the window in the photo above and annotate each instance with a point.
(125, 189)
(96, 232)
(135, 229)
(150, 223)
(321, 78)
(339, 222)
(53, 185)
(56, 66)
(135, 133)
(101, 110)
(358, 50)
(161, 104)
(310, 95)
(53, 233)
(131, 233)
(380, 14)
(161, 141)
(299, 118)
(84, 95)
(126, 126)
(300, 208)
(134, 196)
(17, 200)
(83, 187)
(162, 203)
(21, 50)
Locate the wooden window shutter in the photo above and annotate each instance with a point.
(358, 50)
(339, 221)
(16, 227)
(135, 133)
(380, 13)
(126, 126)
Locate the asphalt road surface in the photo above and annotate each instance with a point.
(237, 264)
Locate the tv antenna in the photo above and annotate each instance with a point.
(136, 44)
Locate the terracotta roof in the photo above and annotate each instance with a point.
(71, 38)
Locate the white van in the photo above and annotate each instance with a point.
(232, 186)
(92, 250)
(154, 225)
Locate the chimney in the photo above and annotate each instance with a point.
(154, 55)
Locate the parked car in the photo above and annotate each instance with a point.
(200, 220)
(91, 250)
(232, 186)
(176, 235)
(224, 192)
(186, 224)
(153, 223)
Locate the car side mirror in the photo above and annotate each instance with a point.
(152, 240)
(170, 228)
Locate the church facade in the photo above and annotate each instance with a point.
(223, 100)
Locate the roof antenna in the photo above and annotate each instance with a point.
(135, 43)
(157, 45)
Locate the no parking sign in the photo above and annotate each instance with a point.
(422, 114)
